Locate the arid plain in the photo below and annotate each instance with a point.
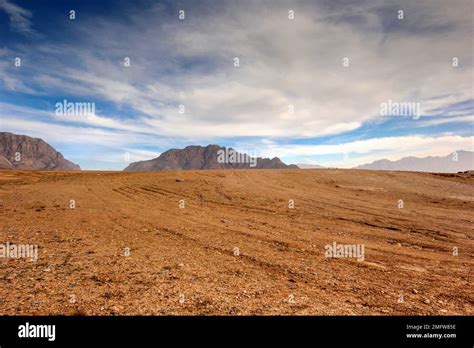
(226, 242)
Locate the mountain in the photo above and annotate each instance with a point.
(208, 157)
(458, 161)
(24, 152)
(309, 166)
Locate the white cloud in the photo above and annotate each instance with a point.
(20, 18)
(62, 134)
(446, 120)
(283, 62)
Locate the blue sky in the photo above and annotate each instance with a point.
(291, 96)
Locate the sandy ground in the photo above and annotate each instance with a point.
(236, 247)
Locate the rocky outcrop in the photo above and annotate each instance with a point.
(24, 152)
(208, 157)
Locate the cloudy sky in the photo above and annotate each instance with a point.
(311, 79)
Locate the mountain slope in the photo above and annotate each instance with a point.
(24, 152)
(448, 164)
(209, 157)
(309, 166)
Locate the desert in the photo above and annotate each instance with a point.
(237, 246)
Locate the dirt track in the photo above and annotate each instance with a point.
(182, 261)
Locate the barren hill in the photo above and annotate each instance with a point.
(458, 161)
(208, 157)
(24, 152)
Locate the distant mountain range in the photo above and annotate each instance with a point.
(458, 161)
(208, 157)
(24, 152)
(309, 166)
